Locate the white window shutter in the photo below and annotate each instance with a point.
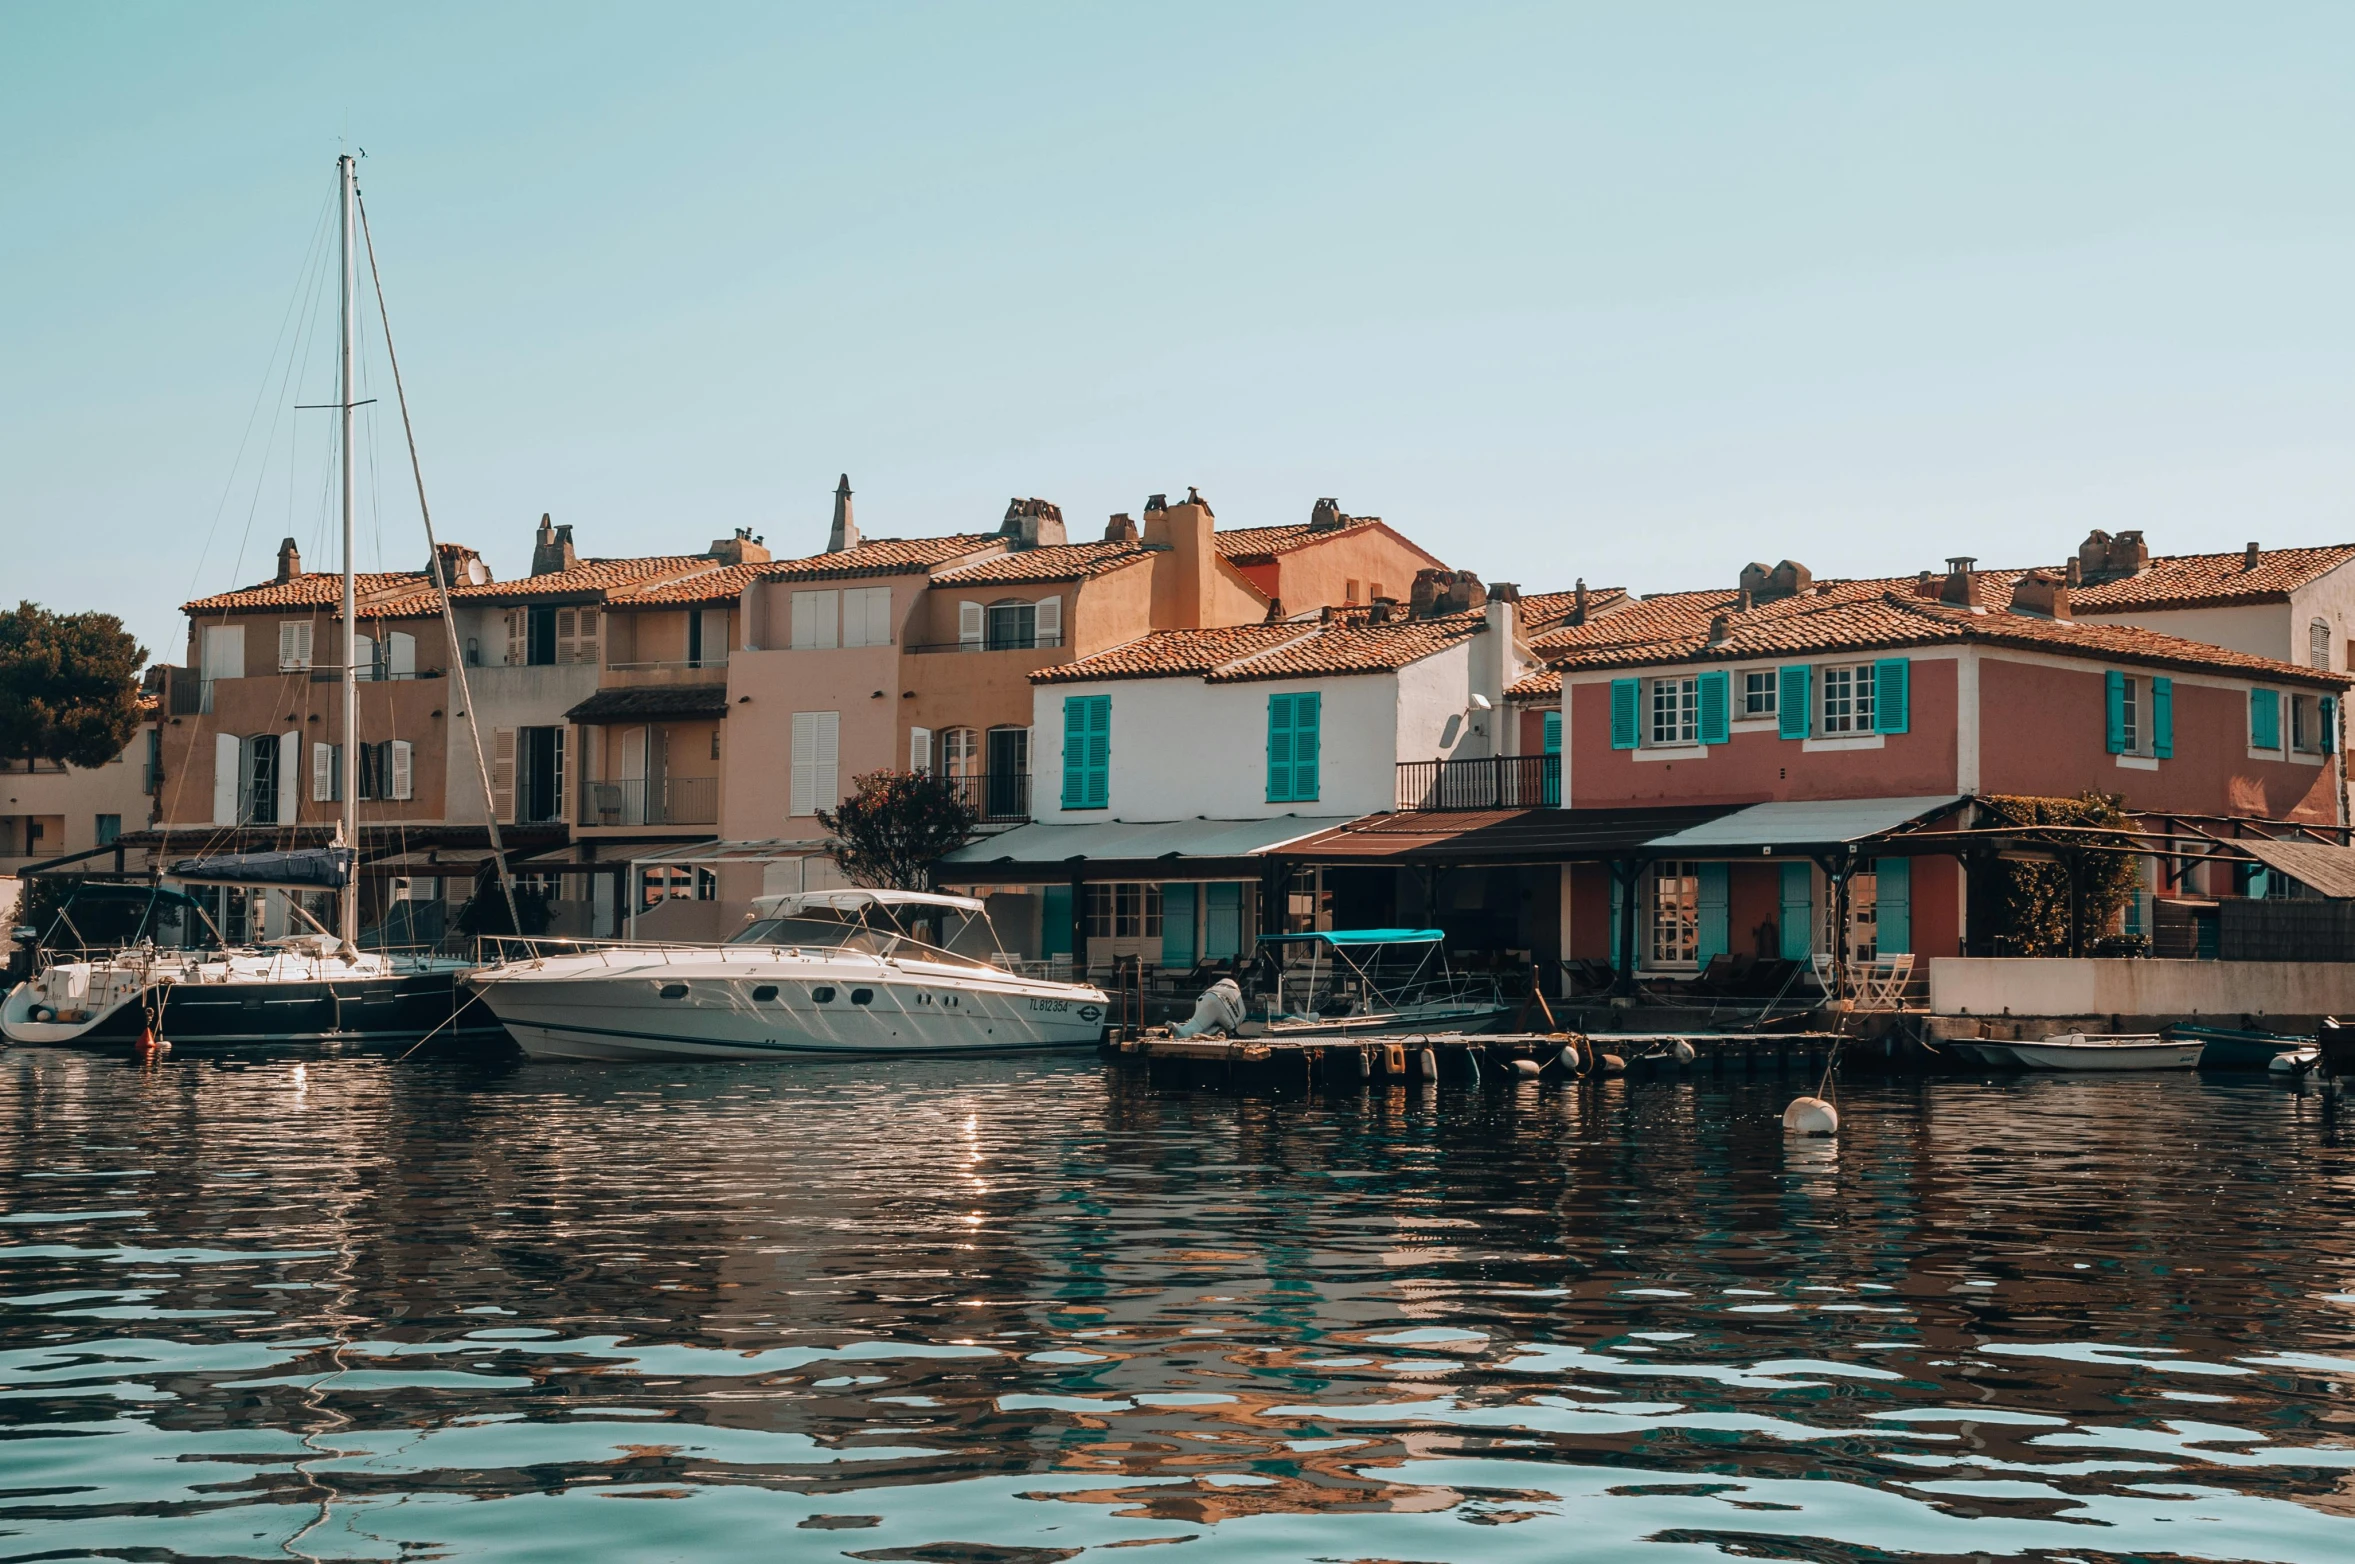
(826, 770)
(226, 750)
(401, 655)
(403, 769)
(920, 750)
(801, 784)
(829, 610)
(715, 637)
(503, 773)
(518, 624)
(969, 624)
(568, 630)
(290, 766)
(1050, 621)
(292, 653)
(323, 774)
(224, 651)
(364, 655)
(585, 647)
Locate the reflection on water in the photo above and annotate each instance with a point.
(1004, 1312)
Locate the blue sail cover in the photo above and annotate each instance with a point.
(1363, 936)
(307, 868)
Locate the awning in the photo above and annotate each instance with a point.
(1798, 826)
(2327, 870)
(649, 701)
(1195, 849)
(1511, 836)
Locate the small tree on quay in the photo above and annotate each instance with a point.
(69, 686)
(887, 833)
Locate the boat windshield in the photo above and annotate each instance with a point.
(821, 932)
(870, 930)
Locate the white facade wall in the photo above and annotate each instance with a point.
(518, 697)
(1435, 716)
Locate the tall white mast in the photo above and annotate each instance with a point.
(348, 831)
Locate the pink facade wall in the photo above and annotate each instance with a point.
(1758, 766)
(2042, 733)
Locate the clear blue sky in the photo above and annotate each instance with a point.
(1635, 292)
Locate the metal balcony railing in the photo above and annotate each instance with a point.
(1046, 640)
(1003, 795)
(1498, 782)
(664, 801)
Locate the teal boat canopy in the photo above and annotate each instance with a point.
(1362, 937)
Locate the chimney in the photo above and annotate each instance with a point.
(1963, 588)
(2102, 557)
(2076, 571)
(1720, 627)
(457, 566)
(1032, 523)
(742, 549)
(1788, 579)
(1185, 580)
(1275, 610)
(1325, 516)
(1466, 595)
(290, 560)
(1423, 597)
(1120, 529)
(2248, 555)
(1194, 497)
(845, 533)
(1155, 502)
(2044, 593)
(552, 549)
(1382, 611)
(1578, 602)
(1927, 585)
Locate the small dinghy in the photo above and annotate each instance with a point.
(2237, 1048)
(2089, 1051)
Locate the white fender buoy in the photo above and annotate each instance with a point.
(1683, 1051)
(1527, 1069)
(1472, 1065)
(1568, 1058)
(1365, 1064)
(1429, 1065)
(1610, 1064)
(1811, 1116)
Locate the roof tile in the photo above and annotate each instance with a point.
(1055, 562)
(1348, 643)
(2211, 580)
(881, 557)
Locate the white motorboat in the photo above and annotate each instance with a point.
(816, 975)
(2088, 1051)
(1377, 983)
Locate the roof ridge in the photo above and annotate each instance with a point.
(1308, 632)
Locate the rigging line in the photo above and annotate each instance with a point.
(439, 572)
(293, 299)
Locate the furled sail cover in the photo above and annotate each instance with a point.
(307, 868)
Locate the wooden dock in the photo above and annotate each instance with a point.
(1465, 1059)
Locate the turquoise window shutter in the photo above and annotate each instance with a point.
(1712, 908)
(1075, 751)
(2163, 717)
(2330, 725)
(1716, 715)
(1892, 695)
(2265, 719)
(1626, 698)
(2114, 711)
(1618, 910)
(1791, 703)
(1222, 921)
(1307, 715)
(1177, 925)
(1279, 749)
(1798, 910)
(1100, 752)
(1553, 760)
(1055, 921)
(1893, 884)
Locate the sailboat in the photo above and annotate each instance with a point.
(148, 964)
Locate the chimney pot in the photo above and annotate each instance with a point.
(290, 560)
(1275, 610)
(1720, 627)
(1156, 502)
(1122, 528)
(2249, 557)
(552, 549)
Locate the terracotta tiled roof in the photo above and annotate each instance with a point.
(2205, 580)
(317, 589)
(1294, 649)
(1055, 562)
(1543, 611)
(717, 584)
(1260, 545)
(587, 577)
(1853, 619)
(1173, 653)
(881, 557)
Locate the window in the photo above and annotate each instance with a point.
(294, 644)
(1674, 927)
(400, 656)
(815, 781)
(2318, 643)
(960, 753)
(1758, 694)
(707, 638)
(2130, 714)
(1292, 742)
(153, 776)
(110, 829)
(816, 619)
(1848, 700)
(920, 751)
(539, 626)
(1087, 752)
(1012, 626)
(1128, 909)
(2306, 725)
(2265, 719)
(539, 777)
(866, 616)
(576, 636)
(664, 882)
(1008, 759)
(1676, 711)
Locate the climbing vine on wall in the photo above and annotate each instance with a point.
(2041, 914)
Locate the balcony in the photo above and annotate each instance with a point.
(1498, 782)
(1050, 641)
(1002, 796)
(707, 670)
(661, 801)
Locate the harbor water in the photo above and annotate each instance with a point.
(1009, 1313)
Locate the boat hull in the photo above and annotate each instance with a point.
(2104, 1054)
(2223, 1048)
(314, 1014)
(1481, 1018)
(727, 1004)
